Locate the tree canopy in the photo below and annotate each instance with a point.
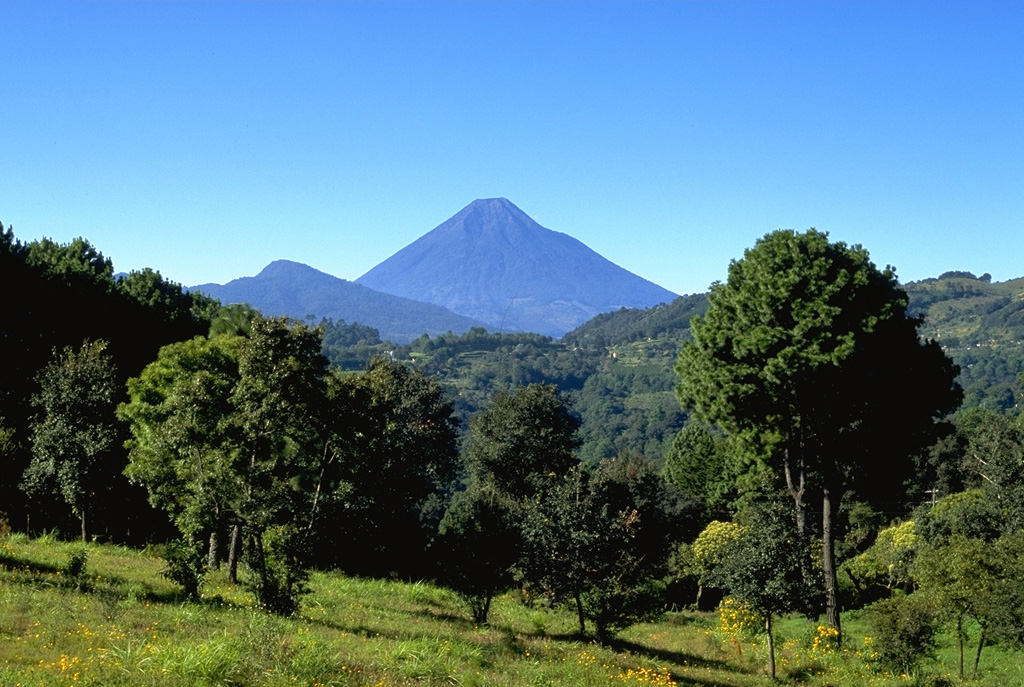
(807, 355)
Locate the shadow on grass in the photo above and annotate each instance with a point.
(21, 565)
(678, 658)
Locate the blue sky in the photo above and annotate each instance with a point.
(207, 139)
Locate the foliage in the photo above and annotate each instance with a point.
(521, 439)
(396, 441)
(600, 539)
(480, 541)
(712, 545)
(789, 359)
(278, 399)
(887, 565)
(62, 295)
(281, 581)
(762, 566)
(970, 566)
(968, 513)
(904, 629)
(182, 447)
(993, 457)
(77, 561)
(74, 433)
(697, 463)
(185, 566)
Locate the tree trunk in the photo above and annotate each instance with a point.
(234, 553)
(213, 554)
(700, 591)
(83, 525)
(829, 565)
(797, 485)
(977, 656)
(579, 614)
(771, 644)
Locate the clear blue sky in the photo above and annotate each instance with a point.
(206, 140)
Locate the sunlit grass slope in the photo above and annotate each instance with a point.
(121, 623)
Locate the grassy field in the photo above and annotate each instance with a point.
(121, 623)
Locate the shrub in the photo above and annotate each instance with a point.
(185, 566)
(904, 632)
(75, 567)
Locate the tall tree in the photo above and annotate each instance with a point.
(395, 439)
(182, 447)
(278, 401)
(74, 432)
(808, 356)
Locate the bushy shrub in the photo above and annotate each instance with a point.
(286, 550)
(904, 632)
(185, 566)
(75, 567)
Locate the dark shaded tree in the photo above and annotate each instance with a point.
(278, 402)
(807, 356)
(61, 296)
(480, 541)
(522, 438)
(600, 539)
(74, 433)
(396, 441)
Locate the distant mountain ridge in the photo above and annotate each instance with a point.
(492, 262)
(290, 288)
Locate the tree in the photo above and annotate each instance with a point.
(522, 438)
(278, 402)
(600, 538)
(808, 357)
(480, 540)
(696, 464)
(182, 447)
(708, 550)
(397, 461)
(993, 458)
(970, 566)
(74, 432)
(519, 445)
(762, 566)
(887, 564)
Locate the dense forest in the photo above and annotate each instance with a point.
(800, 438)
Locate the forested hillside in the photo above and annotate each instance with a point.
(981, 325)
(617, 367)
(55, 298)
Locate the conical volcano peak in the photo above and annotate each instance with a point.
(490, 214)
(492, 262)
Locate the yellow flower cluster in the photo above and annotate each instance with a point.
(826, 639)
(647, 676)
(69, 669)
(738, 618)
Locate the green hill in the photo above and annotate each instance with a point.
(980, 324)
(617, 368)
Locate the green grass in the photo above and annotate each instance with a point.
(122, 623)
